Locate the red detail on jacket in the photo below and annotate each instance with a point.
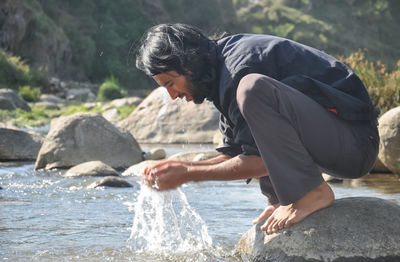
(333, 110)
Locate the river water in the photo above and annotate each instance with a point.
(45, 216)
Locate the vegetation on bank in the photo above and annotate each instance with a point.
(383, 85)
(40, 116)
(15, 72)
(109, 90)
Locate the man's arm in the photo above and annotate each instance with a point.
(239, 167)
(171, 174)
(211, 161)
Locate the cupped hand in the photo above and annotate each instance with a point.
(166, 174)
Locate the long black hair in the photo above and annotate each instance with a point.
(181, 48)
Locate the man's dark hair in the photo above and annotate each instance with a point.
(181, 48)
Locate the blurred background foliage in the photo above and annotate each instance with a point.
(94, 40)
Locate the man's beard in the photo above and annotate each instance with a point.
(198, 90)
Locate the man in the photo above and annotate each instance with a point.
(288, 113)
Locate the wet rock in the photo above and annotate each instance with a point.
(389, 147)
(19, 145)
(195, 155)
(155, 154)
(91, 168)
(9, 100)
(137, 170)
(113, 182)
(85, 137)
(352, 229)
(160, 119)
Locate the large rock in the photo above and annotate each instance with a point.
(112, 181)
(126, 101)
(195, 155)
(155, 154)
(389, 147)
(91, 168)
(80, 95)
(137, 170)
(379, 167)
(19, 145)
(352, 229)
(9, 100)
(51, 99)
(159, 119)
(85, 137)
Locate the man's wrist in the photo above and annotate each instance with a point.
(193, 172)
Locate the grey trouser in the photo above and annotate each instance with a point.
(298, 139)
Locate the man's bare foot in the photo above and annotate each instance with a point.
(266, 213)
(284, 216)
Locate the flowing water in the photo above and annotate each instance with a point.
(45, 216)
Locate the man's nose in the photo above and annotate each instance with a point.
(173, 94)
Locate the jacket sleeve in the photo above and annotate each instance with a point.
(237, 138)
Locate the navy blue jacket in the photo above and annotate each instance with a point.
(314, 73)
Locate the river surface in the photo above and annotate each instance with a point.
(45, 216)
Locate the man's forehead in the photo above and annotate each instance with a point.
(163, 78)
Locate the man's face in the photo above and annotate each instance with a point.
(177, 86)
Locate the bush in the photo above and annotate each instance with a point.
(382, 86)
(29, 94)
(109, 90)
(13, 71)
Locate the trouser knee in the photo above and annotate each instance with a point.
(251, 87)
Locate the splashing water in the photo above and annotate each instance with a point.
(164, 223)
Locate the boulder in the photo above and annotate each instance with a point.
(48, 105)
(51, 99)
(112, 181)
(218, 139)
(195, 155)
(19, 145)
(9, 100)
(85, 137)
(56, 87)
(137, 170)
(159, 119)
(111, 114)
(379, 167)
(331, 179)
(352, 229)
(80, 95)
(127, 101)
(91, 168)
(389, 147)
(155, 154)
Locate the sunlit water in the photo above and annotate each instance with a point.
(45, 216)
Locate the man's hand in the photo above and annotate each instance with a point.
(166, 174)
